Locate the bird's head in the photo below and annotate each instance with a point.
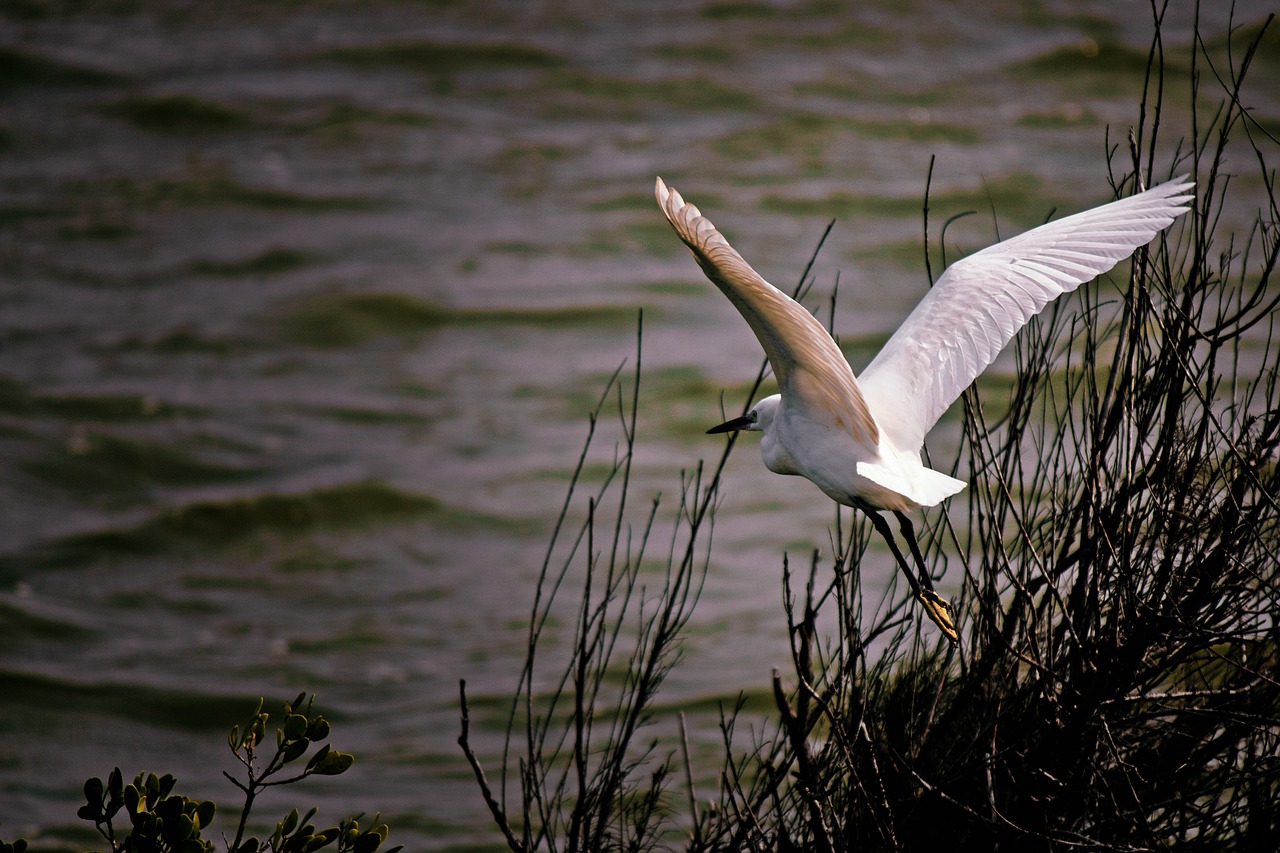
(757, 420)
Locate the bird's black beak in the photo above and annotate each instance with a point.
(735, 424)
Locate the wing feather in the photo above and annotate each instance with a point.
(981, 302)
(811, 371)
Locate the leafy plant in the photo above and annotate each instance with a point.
(300, 729)
(161, 821)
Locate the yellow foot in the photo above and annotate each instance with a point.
(939, 610)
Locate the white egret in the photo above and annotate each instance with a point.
(859, 440)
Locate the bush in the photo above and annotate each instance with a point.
(1118, 682)
(160, 821)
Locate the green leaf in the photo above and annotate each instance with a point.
(169, 808)
(295, 726)
(167, 781)
(318, 729)
(295, 749)
(258, 727)
(92, 810)
(300, 841)
(205, 812)
(115, 793)
(366, 843)
(323, 839)
(289, 823)
(320, 755)
(133, 799)
(334, 763)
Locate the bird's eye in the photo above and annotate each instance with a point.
(753, 416)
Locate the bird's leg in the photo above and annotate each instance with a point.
(909, 533)
(938, 608)
(882, 527)
(935, 606)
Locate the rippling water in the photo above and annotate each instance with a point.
(303, 306)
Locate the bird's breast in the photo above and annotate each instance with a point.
(777, 456)
(829, 458)
(823, 454)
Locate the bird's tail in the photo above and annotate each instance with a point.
(923, 486)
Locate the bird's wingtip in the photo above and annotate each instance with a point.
(671, 202)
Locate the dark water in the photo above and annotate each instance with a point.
(302, 307)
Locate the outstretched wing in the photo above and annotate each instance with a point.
(981, 302)
(811, 371)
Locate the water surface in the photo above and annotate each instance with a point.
(304, 306)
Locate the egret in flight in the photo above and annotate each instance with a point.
(859, 439)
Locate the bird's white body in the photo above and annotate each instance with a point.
(859, 440)
(846, 469)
